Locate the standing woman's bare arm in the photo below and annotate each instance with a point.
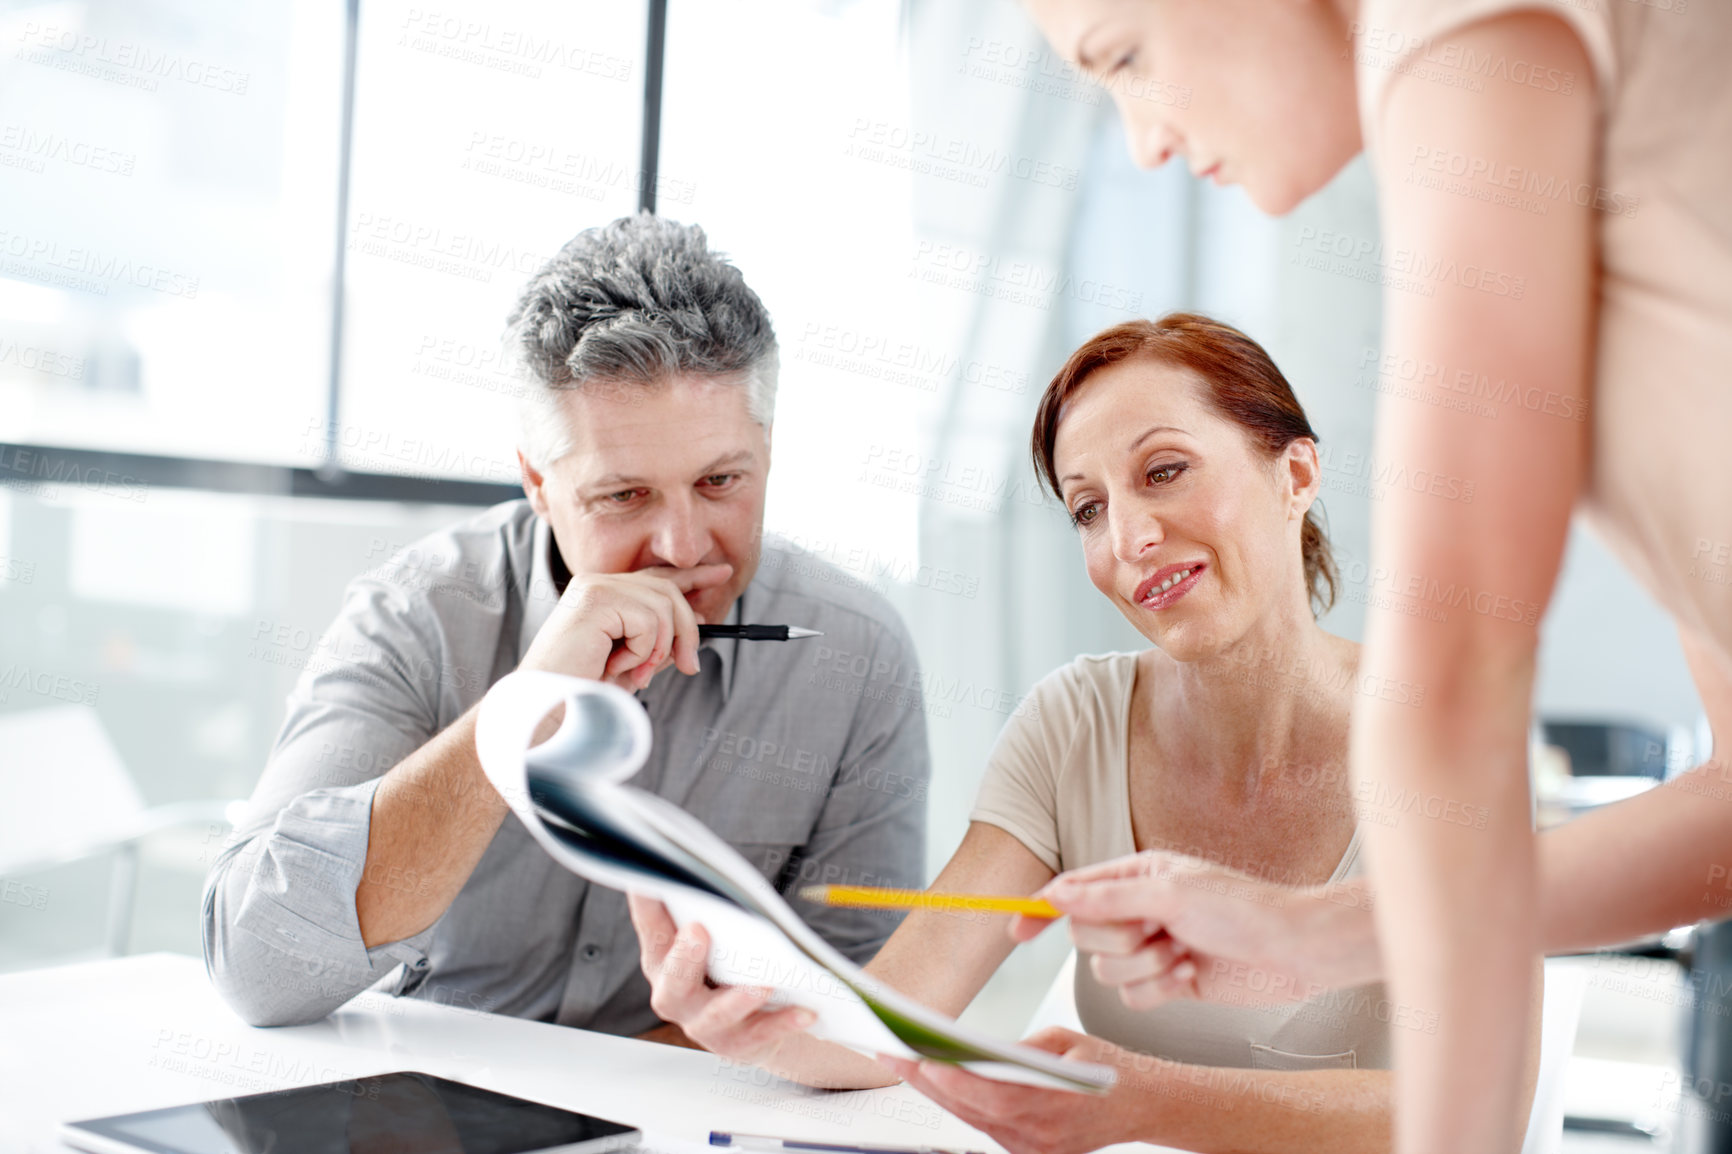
(1488, 289)
(1658, 860)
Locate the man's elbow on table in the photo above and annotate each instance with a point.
(263, 984)
(245, 1000)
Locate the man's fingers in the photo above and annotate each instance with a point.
(682, 637)
(635, 628)
(633, 624)
(678, 986)
(778, 1024)
(686, 653)
(692, 943)
(664, 643)
(693, 579)
(725, 1008)
(643, 632)
(735, 1021)
(655, 930)
(662, 614)
(685, 634)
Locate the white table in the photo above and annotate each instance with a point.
(143, 1032)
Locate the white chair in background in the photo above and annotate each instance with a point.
(1565, 985)
(69, 796)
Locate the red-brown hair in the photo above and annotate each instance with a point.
(1240, 381)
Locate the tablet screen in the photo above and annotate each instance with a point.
(386, 1114)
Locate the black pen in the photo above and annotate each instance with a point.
(757, 632)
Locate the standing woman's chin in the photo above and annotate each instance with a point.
(1277, 187)
(1277, 198)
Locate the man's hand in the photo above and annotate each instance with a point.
(726, 1020)
(1162, 926)
(624, 628)
(669, 1034)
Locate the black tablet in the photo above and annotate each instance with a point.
(378, 1115)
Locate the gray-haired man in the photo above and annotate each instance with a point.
(375, 849)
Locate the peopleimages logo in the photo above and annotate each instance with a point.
(504, 48)
(1486, 178)
(1469, 67)
(940, 479)
(36, 359)
(865, 567)
(376, 447)
(72, 49)
(35, 467)
(41, 147)
(1461, 388)
(89, 270)
(1017, 281)
(42, 683)
(875, 677)
(1362, 258)
(1417, 594)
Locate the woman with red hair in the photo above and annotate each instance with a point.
(1191, 475)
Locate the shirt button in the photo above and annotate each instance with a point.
(590, 952)
(420, 963)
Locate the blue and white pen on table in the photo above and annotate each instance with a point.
(767, 1142)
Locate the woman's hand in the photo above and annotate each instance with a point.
(1032, 1120)
(1162, 926)
(726, 1020)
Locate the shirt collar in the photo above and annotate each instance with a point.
(543, 593)
(540, 594)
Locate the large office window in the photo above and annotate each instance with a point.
(487, 134)
(789, 130)
(168, 172)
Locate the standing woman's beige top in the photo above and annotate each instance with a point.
(1660, 481)
(1058, 782)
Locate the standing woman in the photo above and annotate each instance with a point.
(1555, 186)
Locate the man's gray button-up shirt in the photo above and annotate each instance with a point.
(809, 757)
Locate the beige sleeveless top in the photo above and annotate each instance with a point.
(1660, 483)
(1057, 782)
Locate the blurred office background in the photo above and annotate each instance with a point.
(195, 454)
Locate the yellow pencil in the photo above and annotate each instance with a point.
(875, 897)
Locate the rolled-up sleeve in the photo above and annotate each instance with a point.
(282, 942)
(872, 828)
